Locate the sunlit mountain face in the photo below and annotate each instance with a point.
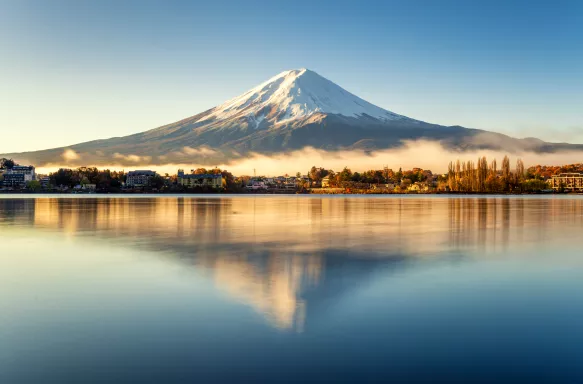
(285, 257)
(290, 111)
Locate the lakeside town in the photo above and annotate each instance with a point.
(462, 177)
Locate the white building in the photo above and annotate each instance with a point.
(19, 175)
(26, 170)
(256, 185)
(567, 181)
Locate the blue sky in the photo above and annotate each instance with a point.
(74, 71)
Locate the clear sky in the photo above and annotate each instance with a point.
(73, 71)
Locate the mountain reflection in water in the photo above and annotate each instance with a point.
(226, 289)
(277, 254)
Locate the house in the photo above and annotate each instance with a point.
(44, 182)
(255, 185)
(202, 180)
(140, 178)
(326, 182)
(418, 187)
(85, 187)
(389, 187)
(290, 183)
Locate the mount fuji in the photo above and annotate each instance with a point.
(290, 111)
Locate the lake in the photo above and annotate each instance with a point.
(171, 289)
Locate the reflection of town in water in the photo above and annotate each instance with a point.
(282, 255)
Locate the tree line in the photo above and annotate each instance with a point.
(378, 176)
(547, 171)
(106, 180)
(484, 177)
(103, 179)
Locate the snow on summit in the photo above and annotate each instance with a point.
(296, 94)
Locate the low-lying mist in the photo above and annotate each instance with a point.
(423, 154)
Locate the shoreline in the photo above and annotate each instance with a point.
(267, 193)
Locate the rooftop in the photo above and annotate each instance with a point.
(569, 174)
(141, 172)
(22, 167)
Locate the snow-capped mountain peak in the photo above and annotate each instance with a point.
(291, 111)
(296, 94)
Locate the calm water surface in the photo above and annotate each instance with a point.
(291, 289)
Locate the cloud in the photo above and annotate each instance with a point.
(69, 155)
(200, 151)
(424, 154)
(132, 159)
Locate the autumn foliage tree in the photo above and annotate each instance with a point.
(542, 172)
(480, 177)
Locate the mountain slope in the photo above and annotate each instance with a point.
(290, 111)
